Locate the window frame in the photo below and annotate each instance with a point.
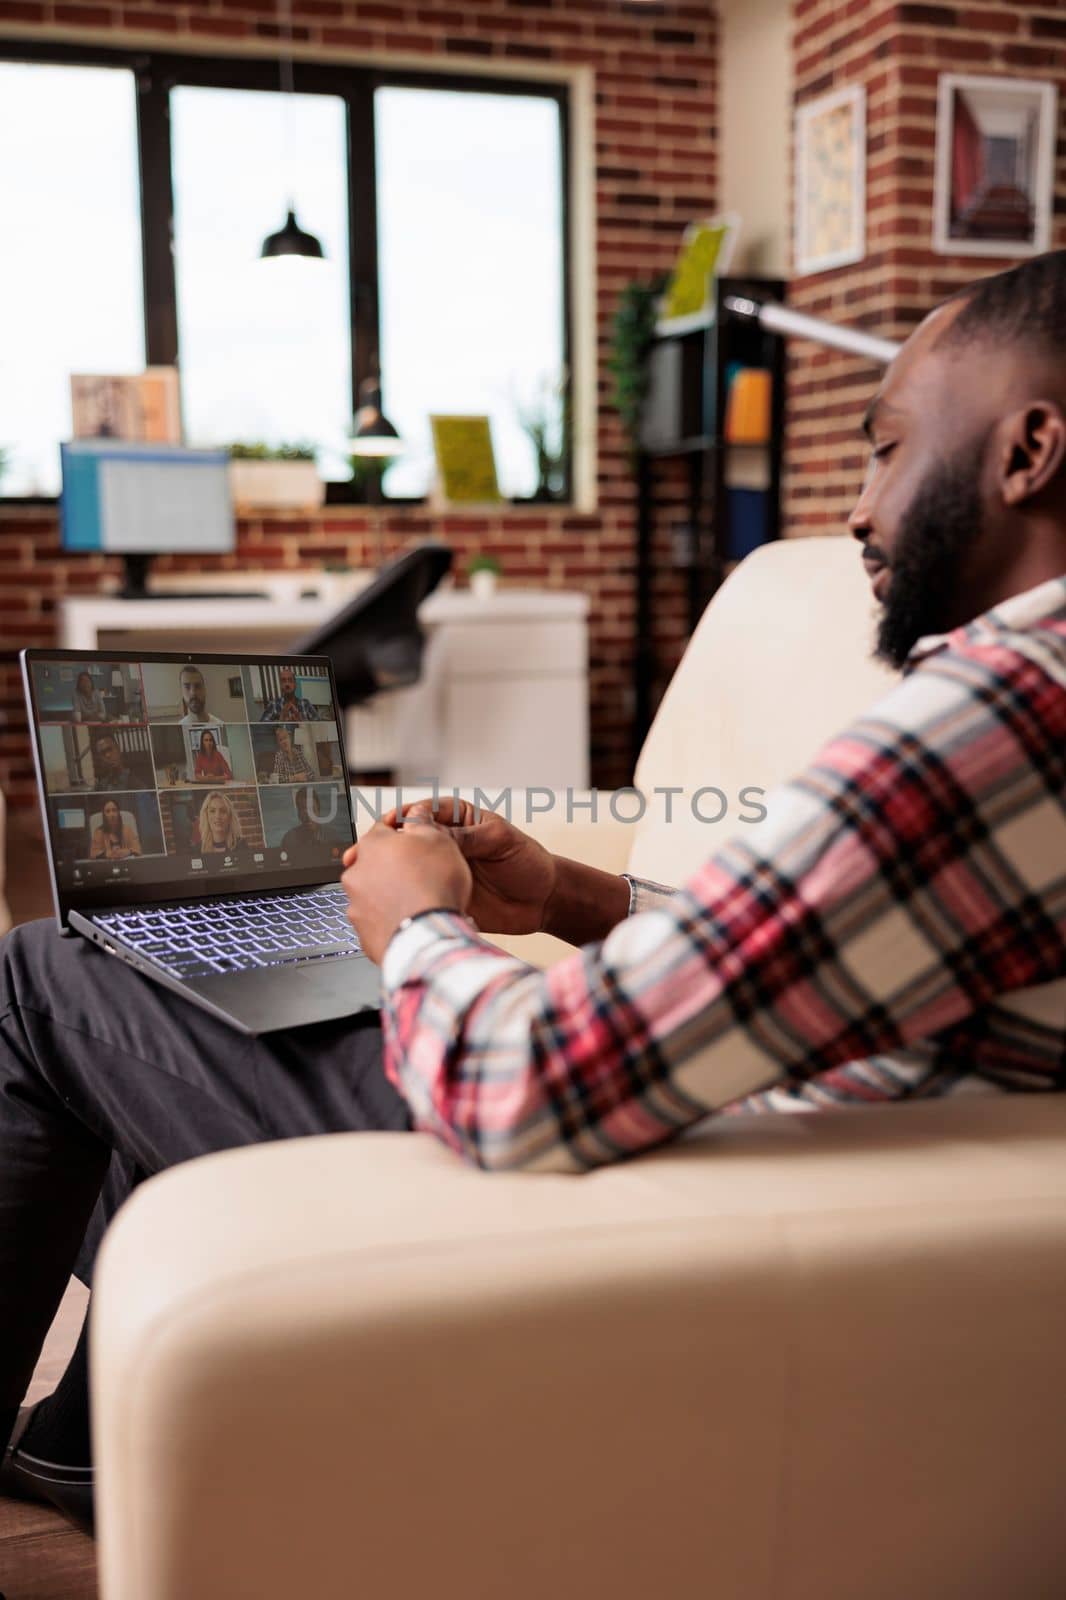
(156, 72)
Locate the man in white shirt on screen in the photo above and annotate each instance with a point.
(194, 698)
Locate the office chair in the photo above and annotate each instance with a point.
(376, 643)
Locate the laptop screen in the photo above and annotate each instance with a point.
(168, 775)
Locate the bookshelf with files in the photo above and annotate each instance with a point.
(716, 402)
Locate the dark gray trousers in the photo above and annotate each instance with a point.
(106, 1078)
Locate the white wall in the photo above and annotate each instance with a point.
(755, 123)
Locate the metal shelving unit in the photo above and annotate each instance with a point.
(685, 420)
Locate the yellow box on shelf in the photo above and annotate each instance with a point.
(747, 412)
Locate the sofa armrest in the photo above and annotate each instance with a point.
(351, 1365)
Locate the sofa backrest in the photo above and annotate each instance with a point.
(780, 662)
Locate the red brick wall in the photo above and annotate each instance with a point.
(897, 52)
(655, 76)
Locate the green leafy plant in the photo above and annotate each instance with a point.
(367, 473)
(546, 424)
(483, 564)
(633, 336)
(255, 450)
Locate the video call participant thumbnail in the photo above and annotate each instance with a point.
(193, 688)
(115, 837)
(110, 827)
(107, 691)
(290, 763)
(216, 754)
(222, 833)
(309, 824)
(193, 695)
(282, 753)
(282, 695)
(207, 828)
(88, 700)
(210, 764)
(116, 767)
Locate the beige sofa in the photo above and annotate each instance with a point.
(804, 1356)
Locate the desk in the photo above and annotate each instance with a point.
(503, 699)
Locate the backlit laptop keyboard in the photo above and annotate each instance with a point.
(239, 933)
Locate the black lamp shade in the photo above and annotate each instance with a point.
(291, 240)
(373, 434)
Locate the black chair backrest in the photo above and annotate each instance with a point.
(376, 642)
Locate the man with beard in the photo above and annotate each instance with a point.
(194, 698)
(898, 928)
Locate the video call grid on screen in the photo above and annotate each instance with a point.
(156, 770)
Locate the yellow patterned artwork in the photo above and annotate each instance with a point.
(465, 460)
(706, 250)
(831, 181)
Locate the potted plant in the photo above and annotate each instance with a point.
(338, 582)
(482, 572)
(633, 337)
(367, 473)
(546, 424)
(275, 477)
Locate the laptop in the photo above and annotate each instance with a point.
(196, 812)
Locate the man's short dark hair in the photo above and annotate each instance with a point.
(1025, 305)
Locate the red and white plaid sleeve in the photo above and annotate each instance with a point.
(906, 898)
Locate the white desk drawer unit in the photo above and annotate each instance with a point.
(503, 699)
(517, 648)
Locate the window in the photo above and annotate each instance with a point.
(265, 345)
(70, 260)
(470, 247)
(440, 204)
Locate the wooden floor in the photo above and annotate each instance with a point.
(41, 1556)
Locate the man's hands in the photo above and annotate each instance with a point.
(396, 873)
(513, 877)
(479, 863)
(454, 856)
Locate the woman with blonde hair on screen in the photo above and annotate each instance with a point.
(220, 827)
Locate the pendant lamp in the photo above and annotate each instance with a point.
(290, 240)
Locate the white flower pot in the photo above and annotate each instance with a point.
(483, 584)
(276, 485)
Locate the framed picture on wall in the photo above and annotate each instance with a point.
(995, 147)
(831, 181)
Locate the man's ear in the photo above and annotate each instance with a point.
(1034, 448)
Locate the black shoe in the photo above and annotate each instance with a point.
(26, 1477)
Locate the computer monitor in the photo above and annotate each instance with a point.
(139, 501)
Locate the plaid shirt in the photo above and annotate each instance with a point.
(294, 768)
(274, 711)
(898, 929)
